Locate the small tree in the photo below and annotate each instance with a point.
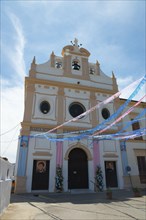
(59, 179)
(99, 179)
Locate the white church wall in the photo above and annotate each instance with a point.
(46, 89)
(43, 70)
(65, 175)
(91, 175)
(52, 172)
(73, 93)
(135, 149)
(132, 160)
(29, 166)
(98, 82)
(119, 173)
(110, 108)
(109, 146)
(110, 151)
(37, 115)
(66, 145)
(85, 103)
(35, 147)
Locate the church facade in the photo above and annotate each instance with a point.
(56, 92)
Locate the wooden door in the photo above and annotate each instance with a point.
(77, 169)
(111, 174)
(40, 176)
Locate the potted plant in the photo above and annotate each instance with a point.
(136, 192)
(99, 179)
(59, 179)
(109, 193)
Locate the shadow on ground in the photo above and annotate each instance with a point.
(80, 198)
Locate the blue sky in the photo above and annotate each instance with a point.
(113, 32)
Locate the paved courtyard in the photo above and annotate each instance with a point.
(76, 205)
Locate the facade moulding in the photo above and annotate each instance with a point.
(141, 105)
(135, 141)
(42, 153)
(67, 85)
(110, 155)
(89, 156)
(32, 126)
(73, 76)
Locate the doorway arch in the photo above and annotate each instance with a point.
(77, 169)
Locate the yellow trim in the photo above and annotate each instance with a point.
(141, 105)
(89, 156)
(41, 153)
(68, 85)
(135, 141)
(140, 152)
(110, 155)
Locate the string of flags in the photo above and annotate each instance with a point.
(95, 133)
(142, 81)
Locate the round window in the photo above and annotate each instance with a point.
(105, 113)
(76, 109)
(45, 107)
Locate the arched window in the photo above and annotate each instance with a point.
(92, 70)
(75, 65)
(58, 64)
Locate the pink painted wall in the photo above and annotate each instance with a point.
(96, 156)
(59, 153)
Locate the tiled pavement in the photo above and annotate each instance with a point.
(76, 205)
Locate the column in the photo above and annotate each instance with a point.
(96, 155)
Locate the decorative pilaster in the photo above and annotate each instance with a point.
(67, 64)
(59, 154)
(124, 156)
(85, 68)
(21, 169)
(22, 156)
(29, 95)
(93, 113)
(96, 155)
(60, 114)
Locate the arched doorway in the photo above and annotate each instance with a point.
(77, 169)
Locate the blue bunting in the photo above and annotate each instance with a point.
(85, 134)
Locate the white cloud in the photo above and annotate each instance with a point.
(12, 105)
(16, 52)
(123, 82)
(116, 9)
(12, 92)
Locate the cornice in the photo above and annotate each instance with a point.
(66, 85)
(135, 141)
(142, 104)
